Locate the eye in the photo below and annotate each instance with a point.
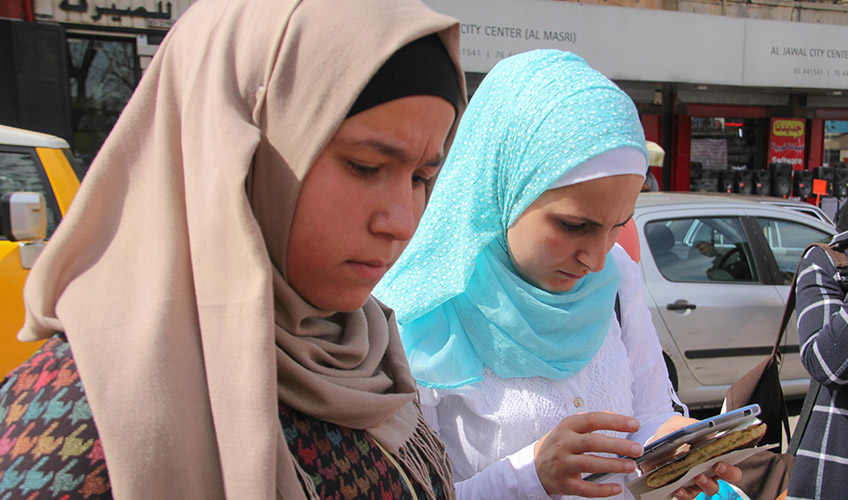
(571, 228)
(420, 180)
(361, 170)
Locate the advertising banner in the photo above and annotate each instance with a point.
(786, 142)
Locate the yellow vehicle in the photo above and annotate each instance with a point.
(31, 163)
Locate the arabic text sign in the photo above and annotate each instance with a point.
(786, 142)
(141, 13)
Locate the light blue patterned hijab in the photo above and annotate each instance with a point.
(459, 301)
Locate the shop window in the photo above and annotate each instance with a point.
(103, 75)
(719, 143)
(835, 142)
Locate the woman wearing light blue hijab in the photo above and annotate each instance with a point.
(506, 294)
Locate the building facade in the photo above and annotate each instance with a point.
(728, 88)
(93, 52)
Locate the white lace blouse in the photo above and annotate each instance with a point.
(490, 427)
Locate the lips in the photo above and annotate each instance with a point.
(572, 276)
(370, 270)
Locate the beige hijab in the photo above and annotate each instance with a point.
(168, 273)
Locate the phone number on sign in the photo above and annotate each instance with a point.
(488, 54)
(839, 73)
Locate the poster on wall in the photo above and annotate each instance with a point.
(786, 142)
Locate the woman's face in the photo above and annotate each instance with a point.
(362, 199)
(567, 232)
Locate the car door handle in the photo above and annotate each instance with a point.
(680, 305)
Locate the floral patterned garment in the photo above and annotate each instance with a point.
(50, 449)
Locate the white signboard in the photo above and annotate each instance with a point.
(664, 46)
(494, 29)
(654, 45)
(796, 54)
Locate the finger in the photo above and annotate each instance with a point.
(688, 492)
(601, 420)
(600, 443)
(592, 490)
(729, 473)
(707, 484)
(594, 464)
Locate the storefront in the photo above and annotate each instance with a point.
(721, 95)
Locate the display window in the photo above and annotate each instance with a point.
(721, 142)
(835, 142)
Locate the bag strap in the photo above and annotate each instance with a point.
(804, 417)
(787, 310)
(776, 355)
(840, 261)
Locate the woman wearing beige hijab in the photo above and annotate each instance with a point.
(213, 277)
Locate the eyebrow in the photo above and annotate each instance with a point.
(390, 150)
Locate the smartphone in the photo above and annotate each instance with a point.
(664, 448)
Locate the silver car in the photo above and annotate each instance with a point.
(717, 270)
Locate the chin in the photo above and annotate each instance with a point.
(558, 287)
(343, 302)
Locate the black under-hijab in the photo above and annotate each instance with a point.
(421, 67)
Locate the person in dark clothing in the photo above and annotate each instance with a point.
(821, 462)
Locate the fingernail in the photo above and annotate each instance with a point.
(701, 479)
(720, 468)
(633, 424)
(635, 450)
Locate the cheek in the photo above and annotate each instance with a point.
(419, 205)
(533, 249)
(557, 250)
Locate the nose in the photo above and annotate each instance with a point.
(593, 254)
(396, 214)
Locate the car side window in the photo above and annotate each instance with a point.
(701, 249)
(787, 241)
(19, 172)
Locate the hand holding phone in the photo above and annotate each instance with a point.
(571, 449)
(672, 446)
